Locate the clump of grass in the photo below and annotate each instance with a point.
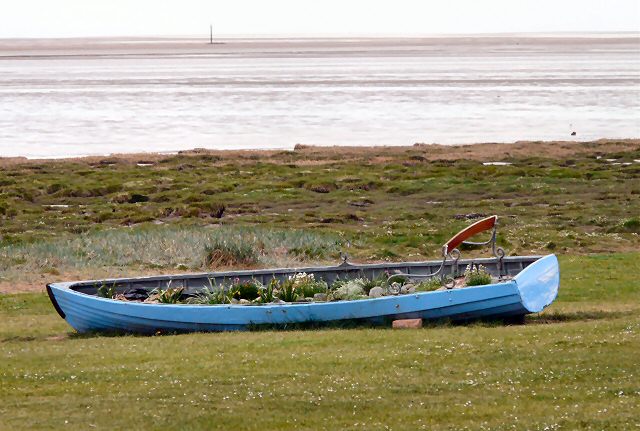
(476, 275)
(229, 253)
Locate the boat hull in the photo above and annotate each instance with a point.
(529, 291)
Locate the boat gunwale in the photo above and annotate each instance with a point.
(73, 285)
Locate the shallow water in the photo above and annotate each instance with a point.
(365, 93)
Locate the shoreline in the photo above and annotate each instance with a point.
(296, 46)
(482, 151)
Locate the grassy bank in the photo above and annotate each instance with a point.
(389, 203)
(573, 367)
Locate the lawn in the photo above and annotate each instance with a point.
(575, 366)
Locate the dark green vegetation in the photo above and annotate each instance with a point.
(389, 203)
(575, 366)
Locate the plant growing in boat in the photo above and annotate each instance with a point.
(398, 278)
(287, 291)
(429, 285)
(380, 281)
(268, 293)
(349, 290)
(476, 275)
(306, 285)
(211, 295)
(105, 291)
(166, 296)
(248, 290)
(300, 286)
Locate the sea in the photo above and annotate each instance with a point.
(73, 97)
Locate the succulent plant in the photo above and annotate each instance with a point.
(349, 290)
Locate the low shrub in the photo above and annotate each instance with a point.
(248, 290)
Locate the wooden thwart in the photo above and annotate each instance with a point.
(479, 226)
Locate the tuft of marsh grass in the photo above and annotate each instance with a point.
(223, 252)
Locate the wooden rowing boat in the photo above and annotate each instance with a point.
(525, 284)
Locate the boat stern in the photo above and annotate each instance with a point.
(538, 283)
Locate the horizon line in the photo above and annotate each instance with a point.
(335, 35)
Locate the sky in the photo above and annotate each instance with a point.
(77, 18)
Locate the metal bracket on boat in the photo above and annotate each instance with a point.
(344, 256)
(477, 227)
(450, 250)
(499, 253)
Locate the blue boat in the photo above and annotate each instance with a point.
(525, 284)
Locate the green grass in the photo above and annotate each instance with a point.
(572, 367)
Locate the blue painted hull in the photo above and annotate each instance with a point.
(530, 291)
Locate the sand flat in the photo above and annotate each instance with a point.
(74, 97)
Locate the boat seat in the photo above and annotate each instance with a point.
(450, 248)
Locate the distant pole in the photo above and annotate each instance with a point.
(211, 34)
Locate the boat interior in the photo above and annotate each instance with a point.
(503, 268)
